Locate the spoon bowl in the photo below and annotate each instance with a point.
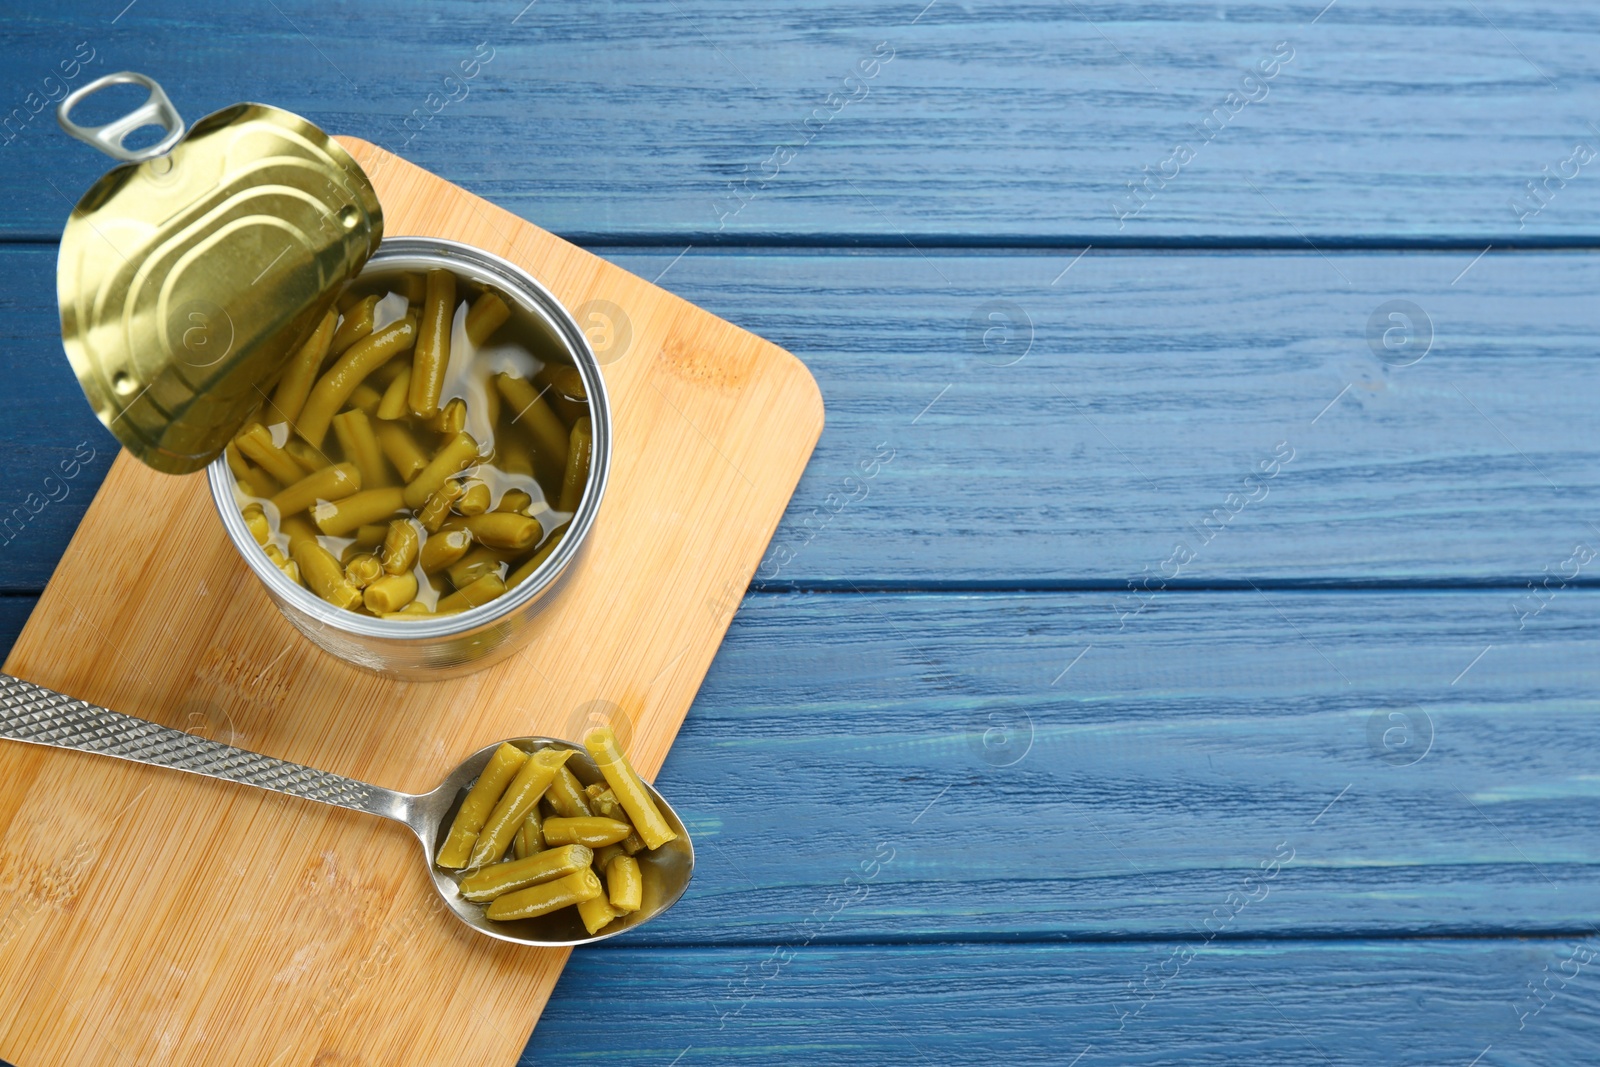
(666, 870)
(40, 716)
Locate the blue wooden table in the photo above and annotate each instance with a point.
(1183, 645)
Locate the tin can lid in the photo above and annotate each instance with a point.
(188, 275)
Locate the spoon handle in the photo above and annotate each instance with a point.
(41, 716)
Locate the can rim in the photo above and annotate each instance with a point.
(483, 267)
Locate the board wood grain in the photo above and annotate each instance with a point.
(160, 917)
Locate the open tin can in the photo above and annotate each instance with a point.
(191, 275)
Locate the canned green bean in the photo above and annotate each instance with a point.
(226, 303)
(425, 646)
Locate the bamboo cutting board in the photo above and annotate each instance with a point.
(148, 916)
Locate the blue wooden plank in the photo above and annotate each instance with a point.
(1036, 767)
(1393, 120)
(1401, 763)
(1057, 422)
(1321, 1002)
(1149, 392)
(14, 611)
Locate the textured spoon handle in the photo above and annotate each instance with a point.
(42, 716)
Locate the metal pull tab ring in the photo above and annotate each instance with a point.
(157, 110)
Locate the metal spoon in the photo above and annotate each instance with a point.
(40, 716)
